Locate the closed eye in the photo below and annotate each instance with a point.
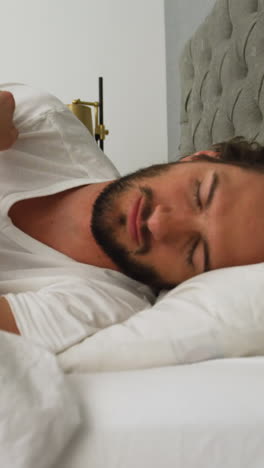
(191, 251)
(195, 243)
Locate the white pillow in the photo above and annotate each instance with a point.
(38, 412)
(214, 315)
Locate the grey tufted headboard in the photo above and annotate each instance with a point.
(222, 75)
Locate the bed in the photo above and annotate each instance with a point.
(190, 415)
(203, 415)
(221, 71)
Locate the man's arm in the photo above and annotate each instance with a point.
(8, 132)
(7, 321)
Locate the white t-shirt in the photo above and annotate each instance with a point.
(56, 301)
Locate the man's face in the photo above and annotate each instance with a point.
(192, 217)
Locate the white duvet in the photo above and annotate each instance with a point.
(204, 415)
(38, 413)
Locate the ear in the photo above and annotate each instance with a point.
(210, 153)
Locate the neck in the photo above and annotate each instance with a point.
(88, 251)
(70, 226)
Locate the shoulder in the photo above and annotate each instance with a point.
(31, 102)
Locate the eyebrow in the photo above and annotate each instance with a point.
(214, 185)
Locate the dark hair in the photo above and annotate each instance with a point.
(238, 152)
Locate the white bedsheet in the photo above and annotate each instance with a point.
(203, 415)
(38, 412)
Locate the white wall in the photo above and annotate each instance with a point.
(182, 18)
(63, 46)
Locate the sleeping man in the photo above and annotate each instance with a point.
(75, 236)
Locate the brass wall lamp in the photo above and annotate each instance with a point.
(83, 111)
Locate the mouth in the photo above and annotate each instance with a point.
(134, 221)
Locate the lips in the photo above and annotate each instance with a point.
(133, 221)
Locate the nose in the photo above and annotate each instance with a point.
(169, 223)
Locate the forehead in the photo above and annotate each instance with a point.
(182, 169)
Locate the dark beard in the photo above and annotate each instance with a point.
(105, 236)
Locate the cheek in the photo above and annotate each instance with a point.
(236, 235)
(168, 262)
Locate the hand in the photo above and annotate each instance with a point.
(8, 132)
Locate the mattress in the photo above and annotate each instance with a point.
(208, 414)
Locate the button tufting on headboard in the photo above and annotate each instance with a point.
(222, 75)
